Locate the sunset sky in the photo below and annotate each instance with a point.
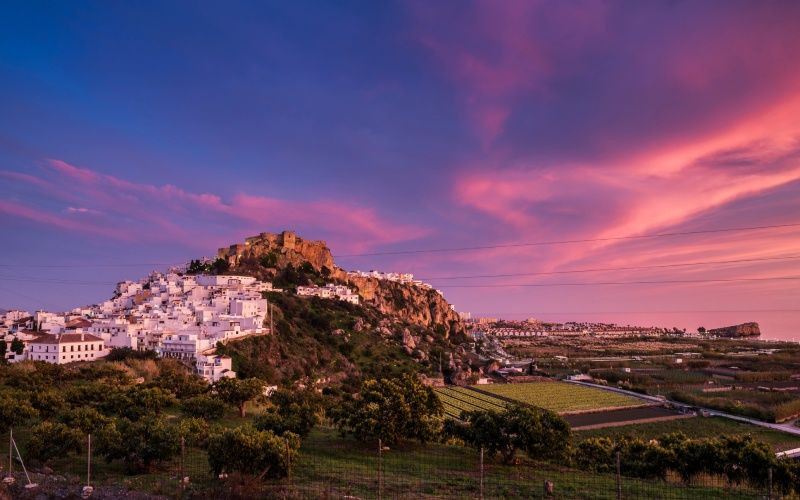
(134, 135)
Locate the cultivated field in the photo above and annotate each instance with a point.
(698, 427)
(559, 397)
(458, 399)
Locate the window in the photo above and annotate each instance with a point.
(72, 348)
(64, 349)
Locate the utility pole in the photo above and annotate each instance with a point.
(271, 311)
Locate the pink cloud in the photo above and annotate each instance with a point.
(117, 208)
(492, 54)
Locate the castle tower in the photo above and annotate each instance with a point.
(288, 239)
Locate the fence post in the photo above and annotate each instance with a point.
(289, 464)
(10, 452)
(769, 483)
(481, 472)
(619, 479)
(183, 462)
(88, 460)
(380, 469)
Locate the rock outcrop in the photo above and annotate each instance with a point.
(418, 305)
(743, 330)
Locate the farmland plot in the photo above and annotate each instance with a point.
(559, 397)
(456, 400)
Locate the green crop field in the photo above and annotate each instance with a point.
(457, 399)
(697, 427)
(559, 397)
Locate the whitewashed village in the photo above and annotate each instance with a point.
(173, 314)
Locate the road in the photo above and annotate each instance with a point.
(788, 427)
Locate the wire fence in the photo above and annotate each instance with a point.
(333, 467)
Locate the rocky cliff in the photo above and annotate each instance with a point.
(266, 254)
(742, 330)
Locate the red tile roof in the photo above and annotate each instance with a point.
(66, 338)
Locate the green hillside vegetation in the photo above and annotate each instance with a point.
(316, 338)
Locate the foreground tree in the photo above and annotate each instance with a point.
(291, 411)
(392, 410)
(53, 439)
(540, 433)
(205, 407)
(139, 443)
(238, 392)
(14, 410)
(250, 451)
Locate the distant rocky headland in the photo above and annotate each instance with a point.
(743, 330)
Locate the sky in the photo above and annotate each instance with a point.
(138, 135)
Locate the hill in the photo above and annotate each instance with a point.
(397, 327)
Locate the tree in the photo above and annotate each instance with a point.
(48, 402)
(17, 346)
(175, 378)
(138, 401)
(701, 329)
(268, 260)
(392, 410)
(205, 407)
(540, 433)
(53, 439)
(220, 266)
(296, 412)
(238, 392)
(250, 451)
(196, 431)
(3, 348)
(14, 411)
(139, 443)
(85, 418)
(197, 267)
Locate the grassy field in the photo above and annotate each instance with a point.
(334, 466)
(559, 397)
(698, 427)
(331, 466)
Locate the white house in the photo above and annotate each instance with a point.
(66, 348)
(213, 367)
(221, 280)
(182, 346)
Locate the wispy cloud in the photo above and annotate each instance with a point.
(118, 208)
